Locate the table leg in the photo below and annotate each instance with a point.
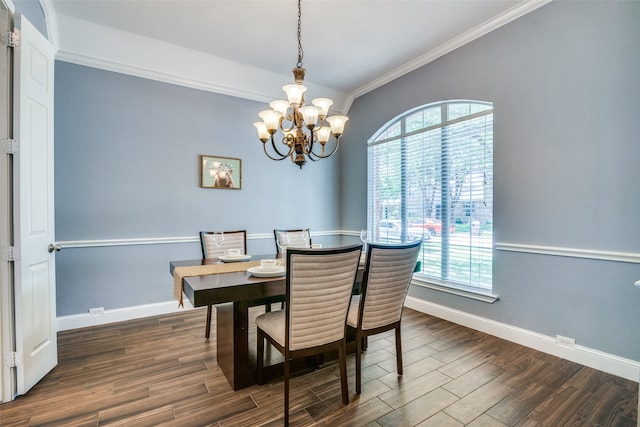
(232, 326)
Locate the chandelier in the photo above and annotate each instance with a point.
(305, 128)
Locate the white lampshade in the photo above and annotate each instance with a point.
(294, 94)
(280, 105)
(323, 134)
(263, 133)
(309, 115)
(323, 104)
(337, 124)
(271, 119)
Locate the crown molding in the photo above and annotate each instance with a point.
(98, 46)
(93, 45)
(453, 44)
(155, 74)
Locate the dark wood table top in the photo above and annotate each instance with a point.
(228, 287)
(209, 261)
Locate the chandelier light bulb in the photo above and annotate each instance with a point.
(323, 104)
(309, 115)
(294, 94)
(281, 106)
(271, 119)
(337, 124)
(263, 133)
(323, 134)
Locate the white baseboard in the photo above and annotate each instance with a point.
(596, 359)
(118, 315)
(601, 361)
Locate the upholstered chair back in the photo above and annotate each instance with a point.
(319, 287)
(387, 275)
(300, 238)
(232, 240)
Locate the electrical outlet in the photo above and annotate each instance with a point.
(98, 311)
(567, 342)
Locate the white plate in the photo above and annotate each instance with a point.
(234, 258)
(259, 272)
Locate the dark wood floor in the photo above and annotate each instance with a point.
(160, 371)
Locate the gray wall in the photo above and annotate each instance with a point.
(564, 83)
(127, 167)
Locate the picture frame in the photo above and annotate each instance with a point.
(220, 172)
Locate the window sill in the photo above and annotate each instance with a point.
(478, 296)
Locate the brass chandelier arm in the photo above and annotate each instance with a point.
(266, 152)
(308, 147)
(293, 118)
(280, 156)
(289, 129)
(317, 156)
(273, 144)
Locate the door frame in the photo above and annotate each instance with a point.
(8, 383)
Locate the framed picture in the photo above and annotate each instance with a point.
(220, 172)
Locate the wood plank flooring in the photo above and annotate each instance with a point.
(160, 371)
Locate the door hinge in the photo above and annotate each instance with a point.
(11, 39)
(13, 359)
(10, 253)
(10, 146)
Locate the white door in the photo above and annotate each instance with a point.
(34, 288)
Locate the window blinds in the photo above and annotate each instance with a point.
(430, 176)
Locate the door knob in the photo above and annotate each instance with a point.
(53, 247)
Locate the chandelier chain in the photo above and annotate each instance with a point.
(306, 128)
(300, 52)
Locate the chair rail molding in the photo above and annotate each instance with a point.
(595, 254)
(64, 244)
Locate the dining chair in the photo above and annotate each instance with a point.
(387, 274)
(318, 290)
(296, 238)
(232, 240)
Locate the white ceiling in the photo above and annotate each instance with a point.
(348, 44)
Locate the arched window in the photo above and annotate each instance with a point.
(431, 176)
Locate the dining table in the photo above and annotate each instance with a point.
(233, 293)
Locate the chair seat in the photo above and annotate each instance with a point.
(273, 323)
